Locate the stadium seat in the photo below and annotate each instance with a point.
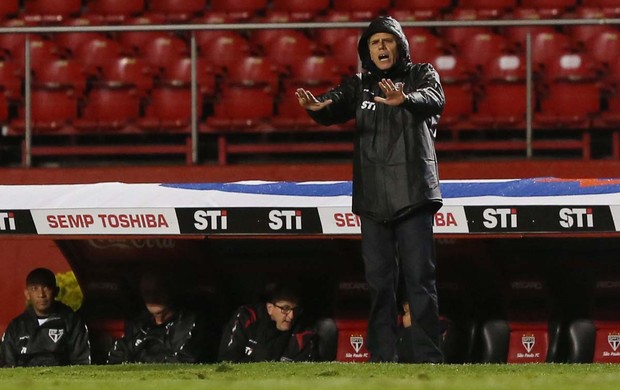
(550, 8)
(289, 49)
(241, 108)
(178, 74)
(161, 51)
(315, 71)
(253, 71)
(502, 101)
(52, 110)
(4, 109)
(10, 42)
(300, 10)
(516, 35)
(206, 37)
(490, 8)
(424, 46)
(451, 68)
(128, 72)
(548, 47)
(51, 11)
(61, 74)
(9, 8)
(479, 49)
(225, 50)
(362, 8)
(581, 34)
(604, 47)
(10, 80)
(109, 108)
(290, 115)
(611, 8)
(328, 37)
(347, 58)
(41, 51)
(115, 11)
(610, 117)
(70, 41)
(457, 35)
(424, 9)
(132, 41)
(168, 110)
(97, 53)
(262, 38)
(239, 10)
(178, 11)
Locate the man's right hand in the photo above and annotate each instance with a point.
(307, 100)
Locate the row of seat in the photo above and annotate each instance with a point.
(54, 11)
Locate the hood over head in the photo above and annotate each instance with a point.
(384, 24)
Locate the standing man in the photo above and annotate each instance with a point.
(396, 105)
(47, 333)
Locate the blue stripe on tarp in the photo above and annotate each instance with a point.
(512, 188)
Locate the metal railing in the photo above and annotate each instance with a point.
(268, 26)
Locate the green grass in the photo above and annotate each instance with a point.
(315, 376)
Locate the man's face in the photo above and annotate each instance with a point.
(40, 297)
(282, 313)
(156, 300)
(383, 50)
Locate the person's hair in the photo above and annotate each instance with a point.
(283, 292)
(41, 276)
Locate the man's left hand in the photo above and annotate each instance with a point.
(394, 95)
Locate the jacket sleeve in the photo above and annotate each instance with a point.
(8, 351)
(79, 345)
(428, 97)
(122, 350)
(195, 346)
(235, 337)
(342, 109)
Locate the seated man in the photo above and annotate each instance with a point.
(164, 332)
(47, 333)
(269, 331)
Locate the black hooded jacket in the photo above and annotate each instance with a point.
(61, 340)
(395, 165)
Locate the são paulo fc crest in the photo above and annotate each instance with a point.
(614, 341)
(55, 334)
(528, 342)
(357, 342)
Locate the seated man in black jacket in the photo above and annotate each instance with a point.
(269, 331)
(164, 332)
(47, 333)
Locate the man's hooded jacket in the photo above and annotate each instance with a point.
(395, 165)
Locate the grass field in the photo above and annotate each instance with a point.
(315, 376)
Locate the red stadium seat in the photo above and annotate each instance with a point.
(178, 74)
(550, 8)
(205, 37)
(456, 35)
(479, 49)
(424, 46)
(362, 8)
(128, 71)
(61, 74)
(169, 110)
(582, 33)
(41, 51)
(116, 11)
(132, 41)
(97, 54)
(451, 68)
(328, 37)
(11, 42)
(502, 102)
(300, 10)
(10, 80)
(263, 37)
(242, 108)
(253, 71)
(492, 8)
(289, 49)
(70, 41)
(611, 8)
(290, 115)
(4, 109)
(178, 10)
(9, 8)
(517, 34)
(51, 11)
(162, 50)
(423, 9)
(604, 47)
(51, 110)
(459, 105)
(548, 47)
(225, 50)
(347, 58)
(239, 9)
(109, 109)
(315, 71)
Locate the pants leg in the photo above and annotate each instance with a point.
(379, 255)
(416, 250)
